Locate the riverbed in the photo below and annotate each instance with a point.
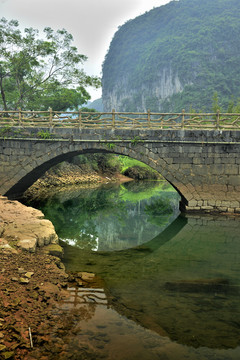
(166, 285)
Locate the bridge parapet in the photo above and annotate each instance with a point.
(126, 120)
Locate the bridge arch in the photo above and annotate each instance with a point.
(49, 159)
(203, 166)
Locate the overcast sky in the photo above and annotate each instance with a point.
(91, 22)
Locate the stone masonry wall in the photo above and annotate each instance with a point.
(203, 165)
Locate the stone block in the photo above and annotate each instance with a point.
(231, 169)
(197, 160)
(212, 202)
(183, 160)
(207, 207)
(234, 180)
(218, 169)
(228, 160)
(193, 203)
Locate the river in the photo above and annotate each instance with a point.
(169, 282)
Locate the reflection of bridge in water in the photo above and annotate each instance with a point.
(185, 281)
(79, 296)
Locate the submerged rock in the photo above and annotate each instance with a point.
(55, 250)
(199, 285)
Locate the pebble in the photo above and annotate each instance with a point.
(2, 347)
(21, 271)
(29, 274)
(23, 281)
(8, 355)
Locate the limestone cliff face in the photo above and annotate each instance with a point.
(165, 85)
(173, 57)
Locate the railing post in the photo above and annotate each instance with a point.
(80, 118)
(218, 119)
(20, 116)
(183, 118)
(50, 117)
(149, 118)
(113, 118)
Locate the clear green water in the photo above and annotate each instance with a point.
(171, 282)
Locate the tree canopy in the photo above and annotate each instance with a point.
(38, 73)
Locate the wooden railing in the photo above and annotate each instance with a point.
(123, 120)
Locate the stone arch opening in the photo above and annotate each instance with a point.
(26, 181)
(37, 171)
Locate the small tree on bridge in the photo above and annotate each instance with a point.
(37, 73)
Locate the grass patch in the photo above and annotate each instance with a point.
(126, 162)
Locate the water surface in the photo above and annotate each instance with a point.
(171, 281)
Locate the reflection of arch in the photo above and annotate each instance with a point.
(129, 279)
(166, 235)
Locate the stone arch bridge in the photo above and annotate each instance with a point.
(202, 165)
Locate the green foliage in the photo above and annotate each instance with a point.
(196, 42)
(100, 162)
(136, 140)
(112, 163)
(141, 173)
(40, 73)
(110, 146)
(215, 103)
(127, 162)
(44, 134)
(5, 130)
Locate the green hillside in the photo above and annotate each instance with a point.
(175, 56)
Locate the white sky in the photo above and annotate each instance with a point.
(91, 22)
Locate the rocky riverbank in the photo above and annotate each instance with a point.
(33, 281)
(30, 287)
(33, 284)
(23, 228)
(33, 323)
(68, 174)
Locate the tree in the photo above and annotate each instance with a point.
(37, 73)
(215, 103)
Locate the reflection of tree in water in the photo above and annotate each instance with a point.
(159, 207)
(143, 186)
(163, 207)
(110, 217)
